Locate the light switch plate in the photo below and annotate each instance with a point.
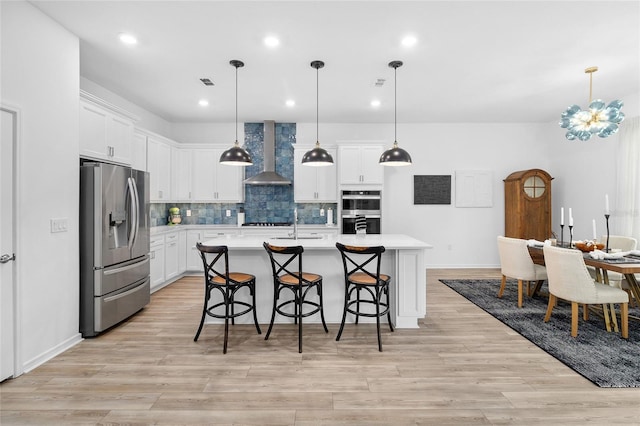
(228, 213)
(59, 224)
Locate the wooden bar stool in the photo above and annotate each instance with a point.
(228, 284)
(362, 274)
(288, 275)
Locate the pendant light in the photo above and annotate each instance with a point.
(395, 156)
(236, 155)
(598, 119)
(317, 157)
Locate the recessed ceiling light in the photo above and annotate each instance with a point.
(271, 41)
(203, 102)
(375, 103)
(409, 41)
(290, 103)
(128, 39)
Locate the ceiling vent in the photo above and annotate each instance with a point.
(206, 82)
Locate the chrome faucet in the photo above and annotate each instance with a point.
(295, 223)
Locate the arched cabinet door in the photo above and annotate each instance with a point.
(527, 205)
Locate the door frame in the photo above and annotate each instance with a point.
(17, 296)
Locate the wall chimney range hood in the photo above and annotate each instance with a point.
(269, 175)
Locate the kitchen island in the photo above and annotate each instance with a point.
(403, 260)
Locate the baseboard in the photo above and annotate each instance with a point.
(51, 353)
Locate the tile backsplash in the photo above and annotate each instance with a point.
(263, 203)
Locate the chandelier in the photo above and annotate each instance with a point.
(599, 119)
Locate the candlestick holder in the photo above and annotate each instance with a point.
(606, 216)
(562, 235)
(570, 235)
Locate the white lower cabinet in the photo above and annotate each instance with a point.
(171, 256)
(194, 262)
(157, 251)
(182, 251)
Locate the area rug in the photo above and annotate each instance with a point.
(604, 358)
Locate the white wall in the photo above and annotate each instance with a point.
(583, 172)
(40, 76)
(148, 120)
(462, 237)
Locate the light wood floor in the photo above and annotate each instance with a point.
(460, 367)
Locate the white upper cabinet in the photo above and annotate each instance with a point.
(228, 180)
(314, 184)
(106, 131)
(159, 168)
(204, 175)
(199, 177)
(139, 151)
(182, 171)
(215, 182)
(359, 165)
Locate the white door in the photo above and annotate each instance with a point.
(8, 128)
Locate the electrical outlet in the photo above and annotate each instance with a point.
(449, 247)
(188, 213)
(59, 225)
(321, 212)
(228, 213)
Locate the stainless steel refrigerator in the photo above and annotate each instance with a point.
(114, 245)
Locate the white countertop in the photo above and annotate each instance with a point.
(390, 241)
(155, 230)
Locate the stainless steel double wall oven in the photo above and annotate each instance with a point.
(367, 204)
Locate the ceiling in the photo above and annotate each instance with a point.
(474, 61)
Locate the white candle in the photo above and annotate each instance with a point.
(570, 217)
(595, 235)
(606, 203)
(561, 215)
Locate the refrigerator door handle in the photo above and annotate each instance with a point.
(134, 216)
(126, 268)
(137, 210)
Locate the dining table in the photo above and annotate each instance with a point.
(628, 266)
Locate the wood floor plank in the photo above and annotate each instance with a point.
(460, 367)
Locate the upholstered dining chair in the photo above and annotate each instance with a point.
(570, 280)
(516, 263)
(621, 243)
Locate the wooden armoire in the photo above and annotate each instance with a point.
(527, 205)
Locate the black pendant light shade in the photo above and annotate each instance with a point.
(236, 155)
(317, 157)
(395, 156)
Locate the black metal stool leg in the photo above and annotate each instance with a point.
(252, 288)
(299, 318)
(324, 324)
(204, 314)
(344, 312)
(226, 321)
